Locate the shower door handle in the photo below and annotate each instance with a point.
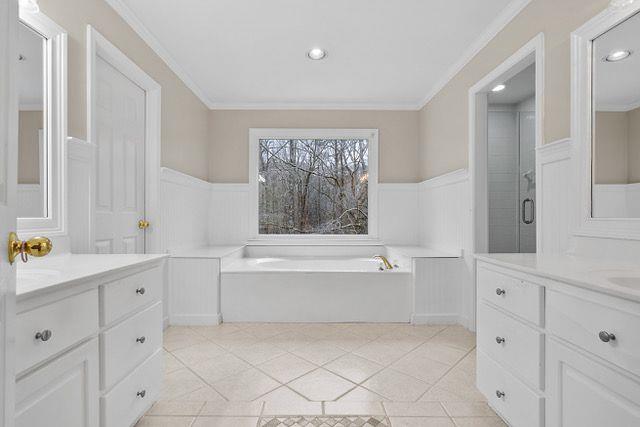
(524, 211)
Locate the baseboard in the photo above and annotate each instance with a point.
(435, 319)
(165, 322)
(196, 319)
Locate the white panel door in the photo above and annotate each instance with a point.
(120, 136)
(8, 185)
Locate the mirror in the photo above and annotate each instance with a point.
(615, 163)
(42, 124)
(32, 128)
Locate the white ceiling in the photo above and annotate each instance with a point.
(30, 46)
(252, 53)
(518, 88)
(617, 84)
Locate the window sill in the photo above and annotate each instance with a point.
(292, 241)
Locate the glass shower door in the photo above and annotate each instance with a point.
(527, 182)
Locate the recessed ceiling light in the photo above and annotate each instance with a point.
(618, 55)
(316, 54)
(498, 88)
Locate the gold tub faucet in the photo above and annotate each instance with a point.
(385, 261)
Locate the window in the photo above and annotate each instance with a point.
(317, 183)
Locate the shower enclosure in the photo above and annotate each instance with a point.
(511, 178)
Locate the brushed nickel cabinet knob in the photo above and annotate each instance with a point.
(44, 335)
(141, 394)
(141, 340)
(141, 291)
(606, 336)
(499, 394)
(500, 340)
(500, 291)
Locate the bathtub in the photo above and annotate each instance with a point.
(274, 285)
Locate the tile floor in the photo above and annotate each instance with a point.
(257, 374)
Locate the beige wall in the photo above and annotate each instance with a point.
(30, 122)
(444, 120)
(229, 135)
(184, 117)
(611, 147)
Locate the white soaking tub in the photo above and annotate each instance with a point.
(286, 288)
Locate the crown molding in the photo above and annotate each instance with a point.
(619, 107)
(314, 106)
(498, 24)
(130, 18)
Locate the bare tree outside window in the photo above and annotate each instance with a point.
(313, 186)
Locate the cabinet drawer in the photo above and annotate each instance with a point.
(132, 396)
(124, 296)
(68, 321)
(127, 344)
(520, 406)
(580, 322)
(521, 349)
(522, 298)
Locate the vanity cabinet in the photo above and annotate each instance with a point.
(563, 356)
(89, 354)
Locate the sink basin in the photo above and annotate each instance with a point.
(632, 282)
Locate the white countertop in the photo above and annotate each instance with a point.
(41, 275)
(207, 252)
(594, 274)
(423, 252)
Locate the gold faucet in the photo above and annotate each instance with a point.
(385, 261)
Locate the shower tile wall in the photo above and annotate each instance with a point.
(503, 181)
(527, 119)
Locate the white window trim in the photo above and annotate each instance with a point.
(256, 134)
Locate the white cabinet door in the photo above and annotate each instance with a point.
(63, 393)
(8, 182)
(584, 393)
(120, 138)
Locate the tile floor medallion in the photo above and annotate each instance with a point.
(317, 375)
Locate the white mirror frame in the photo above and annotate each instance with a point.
(55, 223)
(581, 125)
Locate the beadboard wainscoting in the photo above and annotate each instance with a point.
(229, 214)
(445, 211)
(555, 200)
(438, 288)
(185, 202)
(399, 214)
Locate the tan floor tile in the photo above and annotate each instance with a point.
(414, 409)
(354, 368)
(198, 353)
(175, 339)
(170, 362)
(319, 353)
(440, 353)
(292, 408)
(401, 340)
(468, 409)
(247, 385)
(381, 353)
(421, 422)
(438, 394)
(165, 422)
(396, 386)
(291, 340)
(226, 422)
(361, 394)
(203, 394)
(172, 407)
(267, 330)
(468, 363)
(286, 367)
(418, 366)
(424, 331)
(220, 367)
(178, 383)
(236, 340)
(259, 353)
(479, 422)
(353, 408)
(456, 336)
(461, 384)
(345, 340)
(231, 409)
(321, 385)
(282, 394)
(215, 331)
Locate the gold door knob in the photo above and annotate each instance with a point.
(142, 224)
(36, 246)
